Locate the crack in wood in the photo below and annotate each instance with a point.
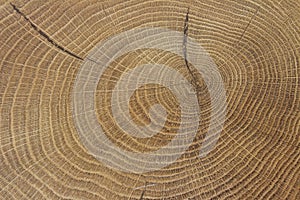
(246, 28)
(143, 193)
(185, 38)
(43, 34)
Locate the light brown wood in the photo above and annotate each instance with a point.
(255, 46)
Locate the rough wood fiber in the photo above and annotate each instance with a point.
(256, 47)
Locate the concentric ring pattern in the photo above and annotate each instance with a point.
(255, 46)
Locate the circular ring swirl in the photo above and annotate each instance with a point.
(90, 131)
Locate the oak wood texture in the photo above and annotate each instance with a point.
(256, 46)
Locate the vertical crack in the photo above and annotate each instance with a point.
(143, 193)
(185, 38)
(246, 28)
(43, 34)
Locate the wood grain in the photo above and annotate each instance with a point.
(256, 46)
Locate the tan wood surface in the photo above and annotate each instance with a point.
(256, 47)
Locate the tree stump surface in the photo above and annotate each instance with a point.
(44, 145)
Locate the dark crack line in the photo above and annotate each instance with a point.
(247, 26)
(185, 38)
(143, 193)
(43, 34)
(185, 35)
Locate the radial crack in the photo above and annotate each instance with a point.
(43, 34)
(246, 28)
(143, 193)
(185, 38)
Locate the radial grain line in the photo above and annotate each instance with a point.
(240, 39)
(44, 35)
(246, 28)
